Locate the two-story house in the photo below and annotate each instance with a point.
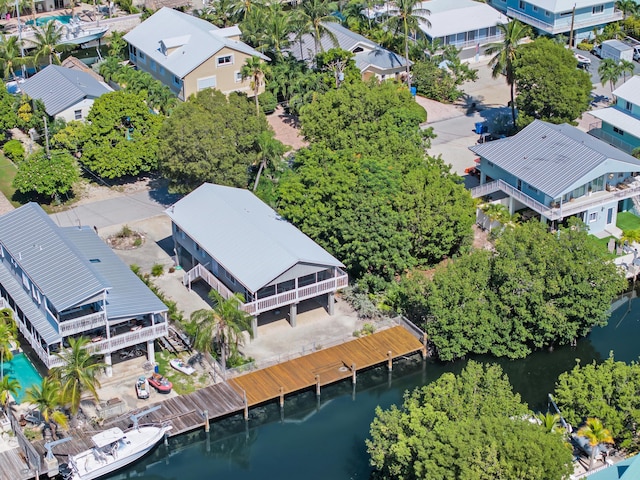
(619, 124)
(555, 17)
(371, 59)
(189, 54)
(236, 243)
(65, 282)
(558, 171)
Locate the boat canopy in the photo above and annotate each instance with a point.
(107, 437)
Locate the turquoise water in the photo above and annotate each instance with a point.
(40, 21)
(325, 439)
(22, 370)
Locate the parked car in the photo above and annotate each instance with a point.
(636, 53)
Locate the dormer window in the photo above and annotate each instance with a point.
(224, 60)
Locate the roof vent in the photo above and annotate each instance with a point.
(544, 136)
(94, 260)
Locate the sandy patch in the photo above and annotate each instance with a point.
(287, 129)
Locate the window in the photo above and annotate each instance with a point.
(534, 190)
(238, 77)
(618, 131)
(207, 82)
(152, 65)
(176, 81)
(597, 9)
(133, 50)
(593, 217)
(25, 281)
(229, 277)
(161, 70)
(142, 55)
(77, 114)
(628, 106)
(546, 13)
(535, 8)
(521, 5)
(225, 60)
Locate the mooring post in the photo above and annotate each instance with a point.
(246, 405)
(389, 360)
(353, 373)
(281, 397)
(318, 385)
(205, 414)
(424, 346)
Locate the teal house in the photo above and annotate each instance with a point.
(628, 469)
(554, 172)
(619, 124)
(554, 17)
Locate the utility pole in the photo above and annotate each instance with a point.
(573, 17)
(24, 70)
(46, 136)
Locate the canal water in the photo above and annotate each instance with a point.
(325, 438)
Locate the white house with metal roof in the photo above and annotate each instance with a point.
(237, 244)
(189, 54)
(66, 93)
(64, 282)
(371, 59)
(558, 171)
(619, 124)
(465, 24)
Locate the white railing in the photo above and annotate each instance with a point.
(201, 272)
(297, 295)
(129, 339)
(611, 139)
(477, 41)
(80, 324)
(564, 24)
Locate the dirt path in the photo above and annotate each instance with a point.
(287, 129)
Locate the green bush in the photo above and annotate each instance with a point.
(157, 270)
(268, 102)
(14, 150)
(586, 46)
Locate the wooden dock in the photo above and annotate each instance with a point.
(325, 366)
(14, 466)
(186, 412)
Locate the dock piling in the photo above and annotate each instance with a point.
(353, 373)
(205, 414)
(246, 406)
(281, 397)
(318, 385)
(389, 360)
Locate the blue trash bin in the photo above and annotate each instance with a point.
(414, 91)
(480, 128)
(156, 369)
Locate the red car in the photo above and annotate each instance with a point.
(161, 384)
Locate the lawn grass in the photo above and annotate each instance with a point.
(7, 173)
(627, 221)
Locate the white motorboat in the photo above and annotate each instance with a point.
(113, 449)
(181, 366)
(142, 388)
(582, 60)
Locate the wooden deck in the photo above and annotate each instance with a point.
(325, 366)
(14, 466)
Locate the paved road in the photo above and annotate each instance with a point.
(116, 211)
(598, 88)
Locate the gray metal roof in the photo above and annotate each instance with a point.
(248, 238)
(199, 40)
(551, 158)
(48, 258)
(373, 54)
(48, 332)
(60, 88)
(629, 90)
(129, 296)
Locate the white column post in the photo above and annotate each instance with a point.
(151, 351)
(107, 361)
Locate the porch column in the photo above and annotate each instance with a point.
(293, 311)
(151, 351)
(107, 361)
(511, 207)
(331, 303)
(483, 178)
(254, 326)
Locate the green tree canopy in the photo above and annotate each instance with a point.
(550, 87)
(47, 176)
(608, 391)
(468, 427)
(210, 138)
(121, 136)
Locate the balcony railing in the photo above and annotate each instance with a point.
(129, 339)
(256, 307)
(564, 25)
(580, 204)
(611, 139)
(81, 324)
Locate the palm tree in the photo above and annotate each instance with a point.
(609, 71)
(8, 332)
(504, 54)
(628, 7)
(595, 432)
(220, 13)
(626, 67)
(495, 212)
(10, 55)
(8, 386)
(47, 40)
(312, 14)
(550, 422)
(224, 324)
(48, 399)
(276, 27)
(255, 69)
(269, 151)
(406, 17)
(78, 374)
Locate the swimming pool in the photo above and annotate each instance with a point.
(22, 370)
(40, 21)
